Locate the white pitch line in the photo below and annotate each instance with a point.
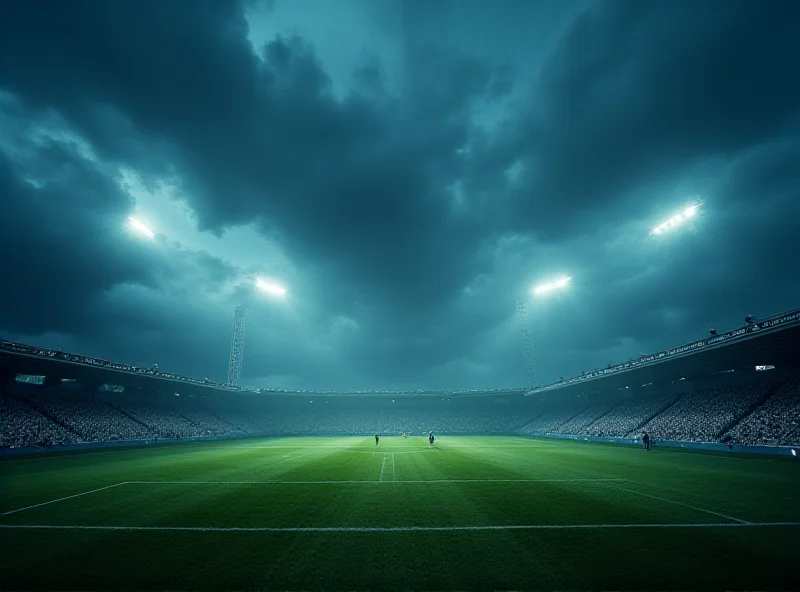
(61, 499)
(669, 501)
(390, 528)
(298, 447)
(365, 481)
(302, 454)
(385, 451)
(394, 474)
(383, 465)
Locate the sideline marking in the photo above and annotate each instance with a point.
(61, 499)
(394, 474)
(383, 465)
(390, 528)
(364, 481)
(669, 501)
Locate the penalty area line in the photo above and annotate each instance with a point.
(371, 481)
(61, 499)
(335, 529)
(669, 501)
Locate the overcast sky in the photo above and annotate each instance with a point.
(408, 170)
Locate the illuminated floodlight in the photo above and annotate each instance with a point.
(677, 220)
(140, 227)
(551, 286)
(270, 288)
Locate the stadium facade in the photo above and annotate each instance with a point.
(715, 379)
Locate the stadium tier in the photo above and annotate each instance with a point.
(765, 412)
(713, 390)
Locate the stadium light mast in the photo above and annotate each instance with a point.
(522, 315)
(236, 360)
(527, 344)
(237, 346)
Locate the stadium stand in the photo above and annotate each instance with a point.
(704, 415)
(21, 425)
(91, 421)
(578, 423)
(210, 423)
(551, 420)
(165, 422)
(629, 416)
(775, 422)
(765, 413)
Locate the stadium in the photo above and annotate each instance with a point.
(513, 289)
(120, 477)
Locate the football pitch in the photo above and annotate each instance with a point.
(341, 513)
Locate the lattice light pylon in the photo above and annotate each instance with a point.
(527, 344)
(237, 346)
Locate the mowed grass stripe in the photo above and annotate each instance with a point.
(346, 529)
(460, 458)
(557, 532)
(441, 504)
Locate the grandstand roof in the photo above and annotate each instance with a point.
(772, 341)
(778, 346)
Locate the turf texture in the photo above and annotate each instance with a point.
(340, 513)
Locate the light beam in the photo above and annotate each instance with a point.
(558, 284)
(676, 220)
(140, 228)
(270, 288)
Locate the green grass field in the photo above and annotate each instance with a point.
(337, 513)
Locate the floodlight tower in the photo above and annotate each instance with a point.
(522, 314)
(237, 346)
(237, 341)
(527, 344)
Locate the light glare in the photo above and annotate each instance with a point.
(270, 288)
(676, 220)
(140, 227)
(554, 285)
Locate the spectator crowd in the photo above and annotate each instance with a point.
(776, 422)
(705, 415)
(751, 414)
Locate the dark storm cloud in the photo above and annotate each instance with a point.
(641, 107)
(60, 236)
(636, 91)
(266, 140)
(54, 237)
(70, 268)
(395, 198)
(739, 261)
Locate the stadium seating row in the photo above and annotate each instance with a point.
(751, 414)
